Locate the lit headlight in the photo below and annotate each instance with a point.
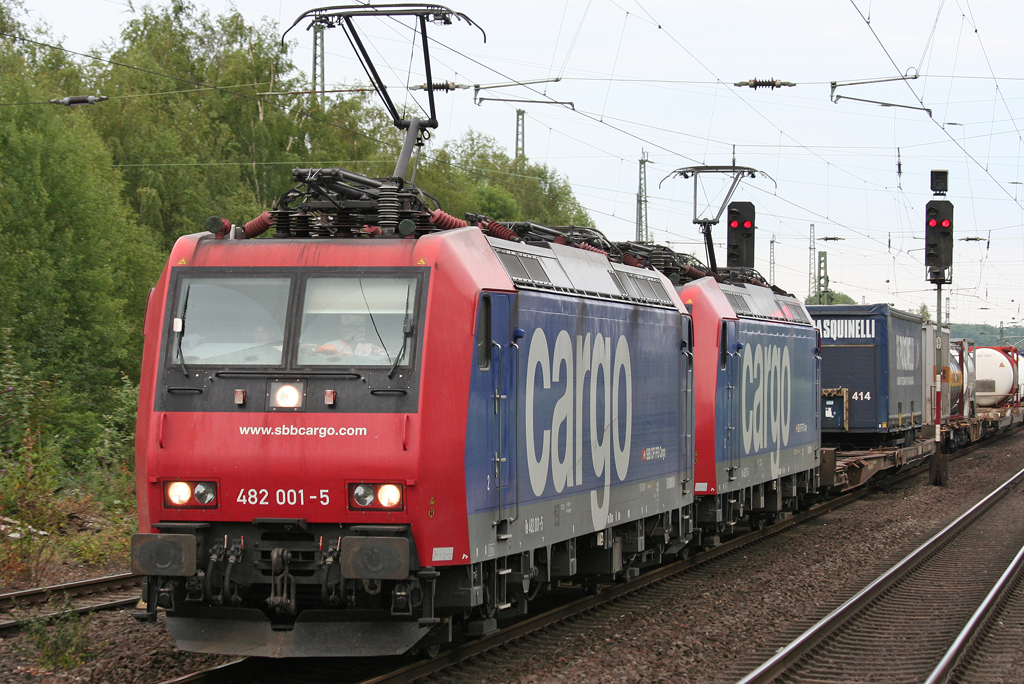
(363, 495)
(287, 394)
(190, 494)
(389, 496)
(205, 492)
(178, 493)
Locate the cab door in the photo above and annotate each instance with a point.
(729, 372)
(498, 359)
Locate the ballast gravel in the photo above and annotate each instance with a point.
(705, 628)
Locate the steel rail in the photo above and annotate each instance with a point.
(78, 589)
(220, 672)
(965, 640)
(790, 654)
(510, 633)
(459, 653)
(6, 625)
(89, 586)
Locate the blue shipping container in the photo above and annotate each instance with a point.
(874, 353)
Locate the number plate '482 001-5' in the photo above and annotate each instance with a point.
(282, 497)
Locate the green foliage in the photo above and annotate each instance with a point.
(830, 297)
(76, 266)
(988, 335)
(61, 642)
(32, 516)
(92, 198)
(187, 152)
(474, 175)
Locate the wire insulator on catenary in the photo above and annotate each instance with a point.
(631, 260)
(446, 221)
(499, 231)
(589, 248)
(258, 225)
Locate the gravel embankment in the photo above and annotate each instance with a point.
(715, 629)
(704, 629)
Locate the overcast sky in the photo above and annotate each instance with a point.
(657, 76)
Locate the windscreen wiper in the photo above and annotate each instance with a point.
(179, 328)
(373, 321)
(406, 332)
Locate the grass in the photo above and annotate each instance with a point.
(62, 517)
(61, 642)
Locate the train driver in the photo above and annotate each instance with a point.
(353, 338)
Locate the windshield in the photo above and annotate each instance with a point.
(231, 321)
(358, 321)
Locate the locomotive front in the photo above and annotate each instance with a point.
(279, 444)
(357, 433)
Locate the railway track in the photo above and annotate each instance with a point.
(91, 595)
(583, 607)
(914, 622)
(87, 596)
(988, 648)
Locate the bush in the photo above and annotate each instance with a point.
(61, 642)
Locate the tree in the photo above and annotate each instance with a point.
(830, 297)
(77, 266)
(474, 174)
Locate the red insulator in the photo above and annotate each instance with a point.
(258, 225)
(631, 260)
(446, 221)
(589, 248)
(499, 231)
(372, 230)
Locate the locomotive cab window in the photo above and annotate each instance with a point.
(483, 334)
(357, 321)
(723, 346)
(230, 321)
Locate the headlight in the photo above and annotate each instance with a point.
(367, 496)
(205, 492)
(363, 495)
(190, 494)
(287, 394)
(389, 496)
(178, 493)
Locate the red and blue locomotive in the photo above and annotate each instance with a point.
(350, 442)
(382, 424)
(758, 427)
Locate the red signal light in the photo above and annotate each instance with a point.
(945, 223)
(734, 224)
(747, 224)
(932, 222)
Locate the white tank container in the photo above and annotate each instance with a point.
(996, 376)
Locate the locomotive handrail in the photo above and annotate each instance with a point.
(516, 375)
(498, 460)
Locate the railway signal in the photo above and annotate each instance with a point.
(938, 239)
(938, 261)
(741, 235)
